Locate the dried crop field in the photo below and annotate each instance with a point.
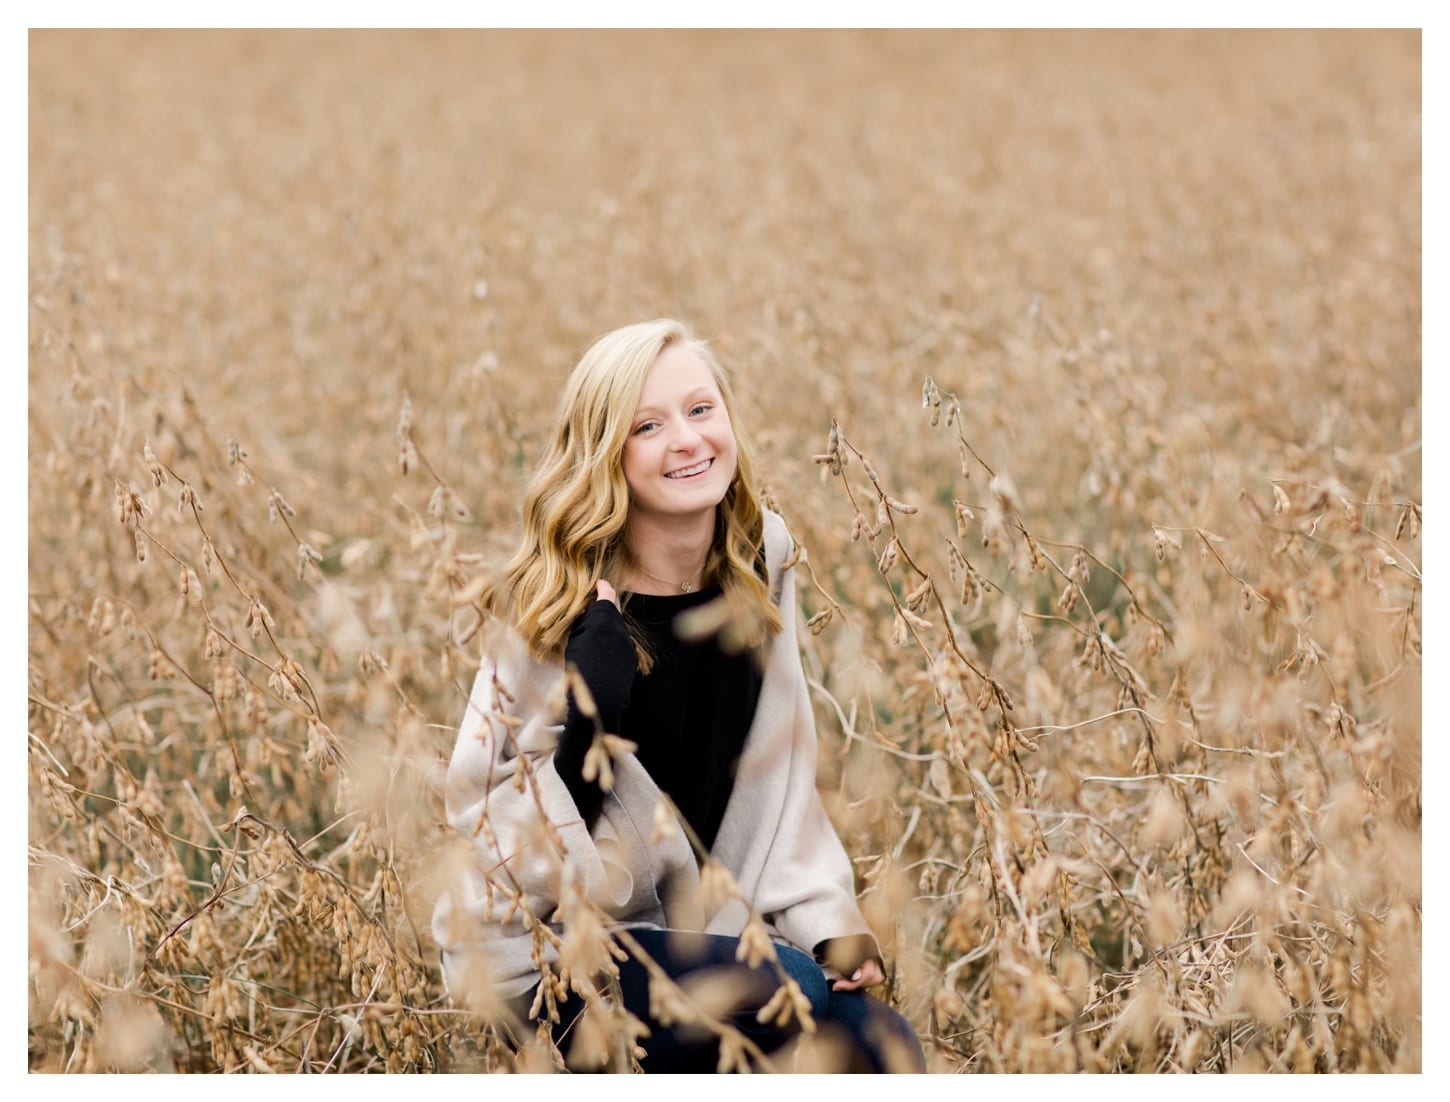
(1085, 367)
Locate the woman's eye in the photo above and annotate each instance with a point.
(643, 427)
(703, 407)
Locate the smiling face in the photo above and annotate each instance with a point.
(679, 458)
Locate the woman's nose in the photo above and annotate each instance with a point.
(684, 437)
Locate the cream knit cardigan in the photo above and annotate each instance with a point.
(775, 837)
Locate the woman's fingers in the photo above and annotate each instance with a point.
(868, 975)
(606, 592)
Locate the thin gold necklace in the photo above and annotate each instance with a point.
(685, 587)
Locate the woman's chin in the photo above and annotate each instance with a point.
(686, 501)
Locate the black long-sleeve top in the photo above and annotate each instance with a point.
(689, 716)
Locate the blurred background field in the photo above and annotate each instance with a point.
(1161, 292)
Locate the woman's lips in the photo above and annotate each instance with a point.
(695, 471)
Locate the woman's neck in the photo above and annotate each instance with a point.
(665, 556)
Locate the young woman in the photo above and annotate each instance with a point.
(642, 531)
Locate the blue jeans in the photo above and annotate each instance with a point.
(875, 1037)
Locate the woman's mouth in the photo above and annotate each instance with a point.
(691, 472)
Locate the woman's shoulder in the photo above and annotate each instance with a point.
(507, 663)
(776, 537)
(779, 548)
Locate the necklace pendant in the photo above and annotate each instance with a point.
(686, 587)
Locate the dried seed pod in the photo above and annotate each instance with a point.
(964, 514)
(306, 553)
(1067, 599)
(160, 666)
(277, 505)
(158, 473)
(1081, 570)
(405, 419)
(129, 505)
(917, 598)
(1035, 560)
(888, 557)
(319, 744)
(1162, 541)
(898, 631)
(915, 620)
(1282, 504)
(755, 944)
(225, 680)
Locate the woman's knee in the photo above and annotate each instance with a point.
(802, 968)
(880, 1035)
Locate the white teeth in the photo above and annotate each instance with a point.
(687, 471)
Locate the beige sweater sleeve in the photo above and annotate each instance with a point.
(776, 835)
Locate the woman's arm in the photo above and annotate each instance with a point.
(806, 885)
(601, 649)
(504, 795)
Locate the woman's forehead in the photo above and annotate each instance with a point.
(676, 374)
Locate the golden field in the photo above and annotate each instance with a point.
(1114, 550)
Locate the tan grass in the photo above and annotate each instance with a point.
(1114, 558)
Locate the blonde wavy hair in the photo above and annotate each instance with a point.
(576, 506)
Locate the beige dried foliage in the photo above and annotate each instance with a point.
(131, 1036)
(1126, 745)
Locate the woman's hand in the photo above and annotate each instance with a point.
(868, 975)
(605, 592)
